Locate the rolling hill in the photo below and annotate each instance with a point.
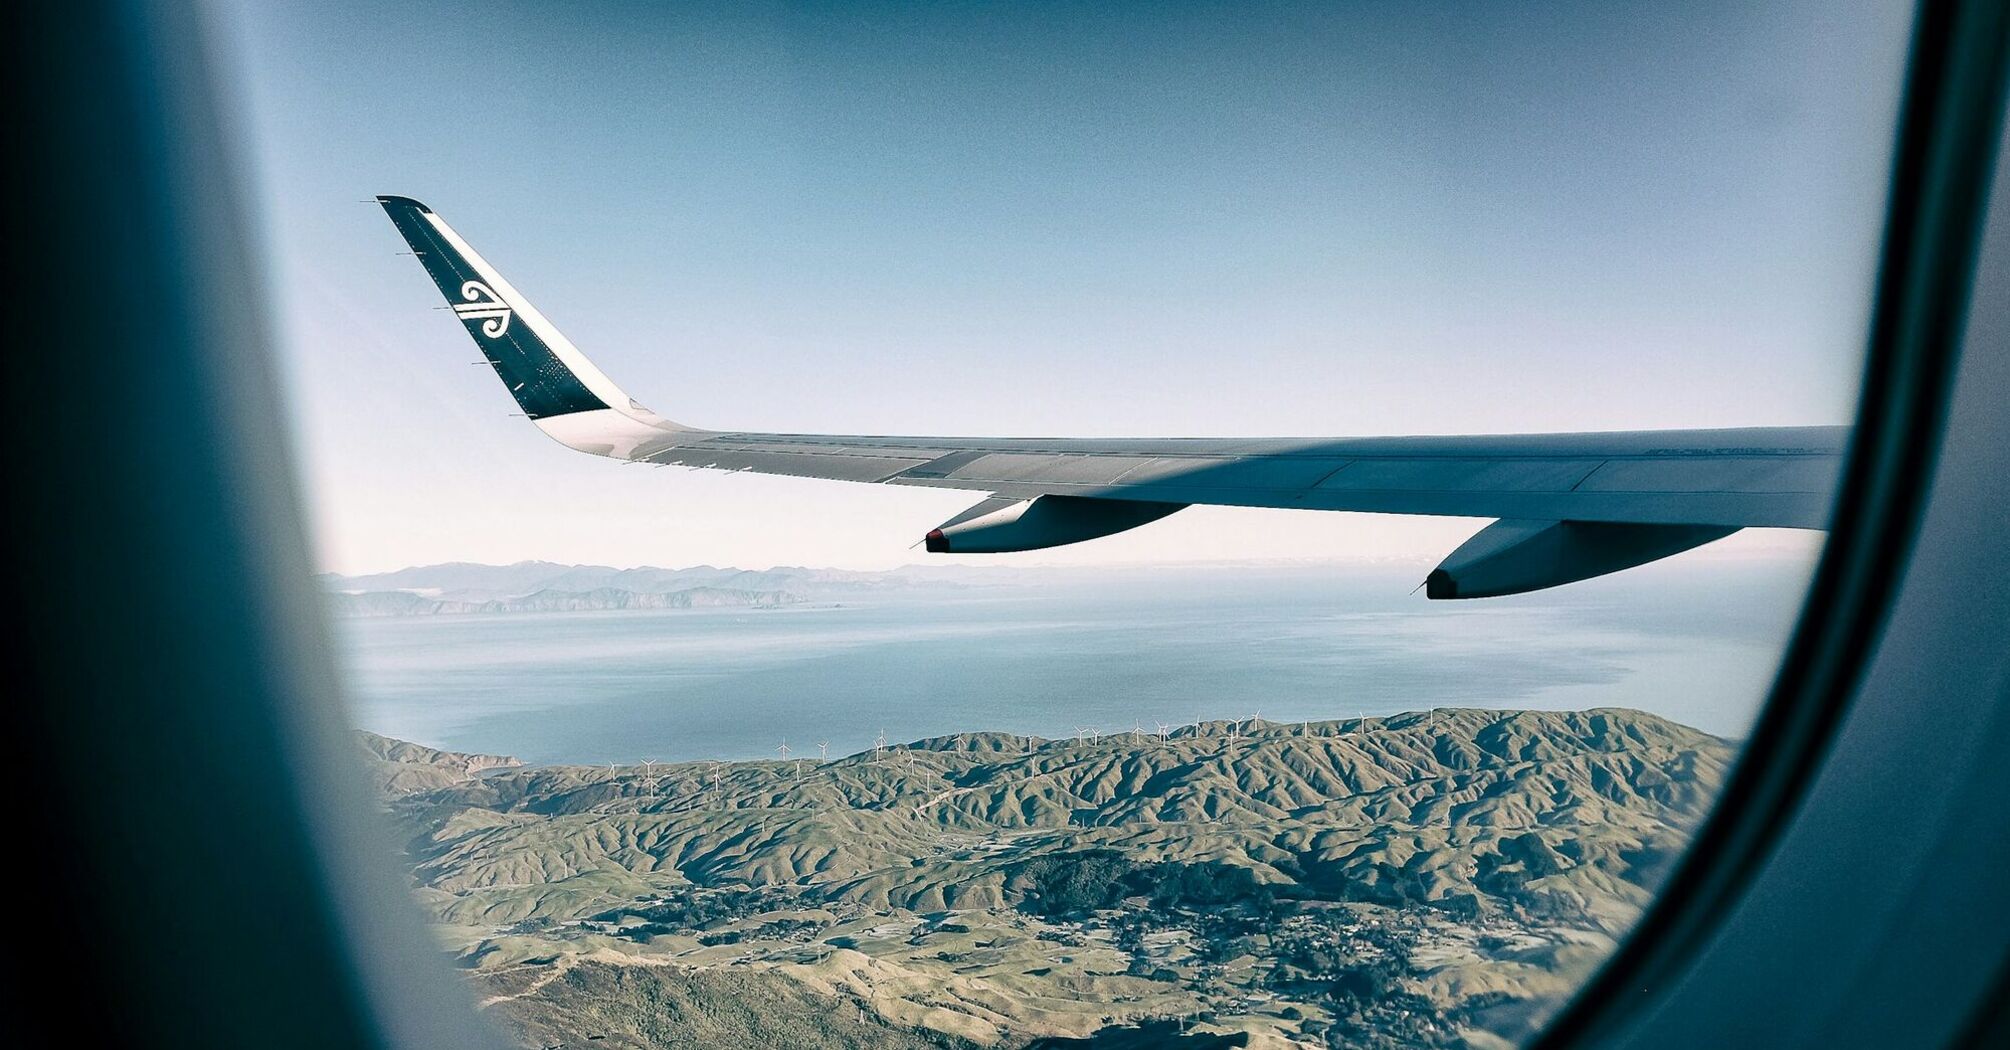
(1282, 881)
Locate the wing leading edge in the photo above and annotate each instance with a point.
(1572, 505)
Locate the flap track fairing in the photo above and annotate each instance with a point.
(1513, 556)
(1001, 526)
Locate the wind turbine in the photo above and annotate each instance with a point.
(1163, 729)
(879, 742)
(823, 751)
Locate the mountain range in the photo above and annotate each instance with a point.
(1438, 878)
(541, 586)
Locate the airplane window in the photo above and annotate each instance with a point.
(1448, 404)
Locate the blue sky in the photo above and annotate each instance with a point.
(1070, 219)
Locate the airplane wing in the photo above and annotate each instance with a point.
(1570, 506)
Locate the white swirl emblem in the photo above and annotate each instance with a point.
(483, 305)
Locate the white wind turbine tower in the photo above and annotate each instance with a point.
(879, 742)
(715, 781)
(1164, 729)
(823, 751)
(1137, 732)
(649, 773)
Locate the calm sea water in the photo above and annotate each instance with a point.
(1108, 649)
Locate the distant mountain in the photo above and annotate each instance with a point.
(455, 577)
(408, 603)
(542, 586)
(473, 581)
(1431, 879)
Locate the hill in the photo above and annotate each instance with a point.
(1426, 878)
(398, 768)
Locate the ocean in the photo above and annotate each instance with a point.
(1113, 650)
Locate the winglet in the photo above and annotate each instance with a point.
(389, 199)
(548, 376)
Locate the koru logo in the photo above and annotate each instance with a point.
(483, 305)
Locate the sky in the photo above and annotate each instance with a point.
(1046, 219)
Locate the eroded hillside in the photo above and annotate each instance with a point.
(1432, 878)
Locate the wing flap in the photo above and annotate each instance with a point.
(1061, 469)
(1715, 474)
(1439, 474)
(834, 467)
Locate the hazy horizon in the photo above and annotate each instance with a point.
(1763, 546)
